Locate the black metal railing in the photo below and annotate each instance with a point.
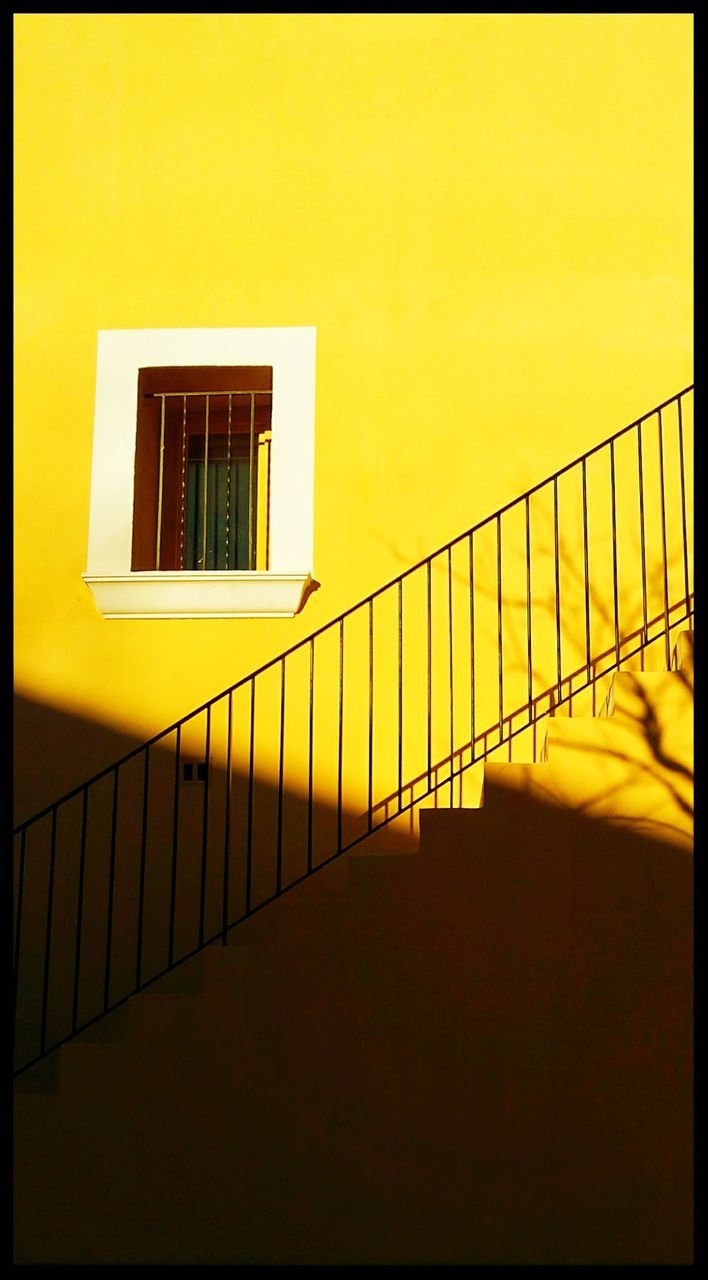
(166, 850)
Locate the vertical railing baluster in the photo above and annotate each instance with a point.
(642, 536)
(227, 825)
(529, 661)
(473, 738)
(371, 714)
(452, 678)
(429, 629)
(615, 576)
(79, 912)
(249, 819)
(682, 474)
(310, 756)
(20, 903)
(556, 551)
(251, 562)
(400, 691)
(340, 742)
(281, 759)
(111, 892)
(667, 636)
(340, 622)
(143, 866)
(175, 838)
(48, 933)
(586, 568)
(500, 655)
(205, 828)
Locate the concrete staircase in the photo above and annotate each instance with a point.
(479, 1053)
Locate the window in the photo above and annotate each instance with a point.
(202, 483)
(202, 468)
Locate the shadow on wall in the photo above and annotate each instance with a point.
(577, 969)
(595, 563)
(501, 1073)
(651, 749)
(146, 865)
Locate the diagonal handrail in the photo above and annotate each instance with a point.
(56, 881)
(334, 622)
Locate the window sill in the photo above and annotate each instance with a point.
(207, 594)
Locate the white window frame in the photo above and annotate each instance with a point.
(278, 591)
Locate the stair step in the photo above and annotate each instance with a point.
(636, 765)
(682, 655)
(479, 1052)
(399, 1102)
(666, 696)
(42, 1078)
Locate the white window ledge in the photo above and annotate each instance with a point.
(278, 592)
(207, 594)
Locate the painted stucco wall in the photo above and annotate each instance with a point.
(487, 218)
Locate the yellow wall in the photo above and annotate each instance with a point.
(487, 218)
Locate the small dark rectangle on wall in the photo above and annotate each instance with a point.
(194, 771)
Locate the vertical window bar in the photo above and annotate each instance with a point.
(227, 826)
(79, 912)
(249, 828)
(251, 563)
(20, 900)
(452, 678)
(341, 732)
(642, 535)
(228, 490)
(111, 892)
(586, 566)
(160, 480)
(428, 568)
(48, 935)
(205, 827)
(615, 583)
(143, 864)
(400, 690)
(529, 660)
(281, 756)
(472, 661)
(371, 713)
(195, 513)
(310, 753)
(175, 838)
(667, 637)
(266, 563)
(499, 630)
(205, 514)
(183, 484)
(683, 509)
(556, 549)
(215, 481)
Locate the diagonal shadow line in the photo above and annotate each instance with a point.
(218, 936)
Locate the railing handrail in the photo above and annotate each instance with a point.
(333, 622)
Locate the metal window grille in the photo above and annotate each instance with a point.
(213, 479)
